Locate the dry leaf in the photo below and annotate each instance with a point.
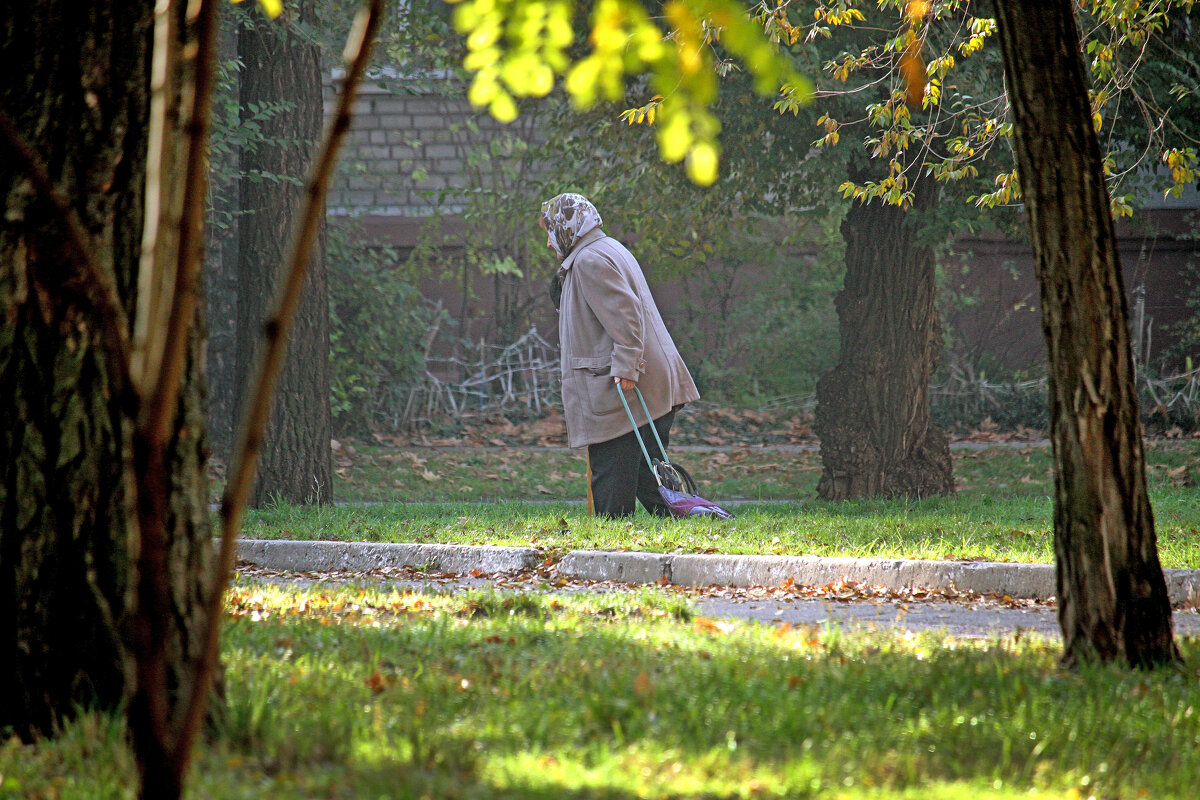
(377, 682)
(706, 624)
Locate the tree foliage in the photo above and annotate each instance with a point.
(517, 48)
(918, 80)
(1145, 84)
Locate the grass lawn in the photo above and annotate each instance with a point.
(1002, 511)
(362, 692)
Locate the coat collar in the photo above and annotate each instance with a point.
(594, 235)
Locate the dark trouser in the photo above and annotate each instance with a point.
(620, 474)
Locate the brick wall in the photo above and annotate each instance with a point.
(404, 150)
(407, 154)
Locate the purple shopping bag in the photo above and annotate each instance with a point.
(675, 484)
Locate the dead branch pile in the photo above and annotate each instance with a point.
(483, 379)
(1171, 401)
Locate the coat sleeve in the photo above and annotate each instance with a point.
(612, 298)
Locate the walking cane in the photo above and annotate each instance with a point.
(591, 501)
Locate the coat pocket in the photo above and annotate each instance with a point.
(592, 375)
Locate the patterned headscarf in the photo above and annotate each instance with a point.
(568, 217)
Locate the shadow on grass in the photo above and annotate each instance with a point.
(520, 703)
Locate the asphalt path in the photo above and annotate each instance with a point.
(954, 618)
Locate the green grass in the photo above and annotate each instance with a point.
(357, 693)
(1002, 511)
(381, 474)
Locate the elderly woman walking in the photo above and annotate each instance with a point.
(612, 339)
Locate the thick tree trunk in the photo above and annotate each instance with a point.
(77, 89)
(296, 461)
(873, 407)
(1113, 602)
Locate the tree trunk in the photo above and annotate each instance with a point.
(77, 91)
(221, 269)
(280, 66)
(1113, 602)
(873, 407)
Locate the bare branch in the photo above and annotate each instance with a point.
(157, 415)
(203, 15)
(158, 257)
(171, 265)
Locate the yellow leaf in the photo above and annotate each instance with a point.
(582, 80)
(711, 626)
(702, 163)
(541, 81)
(503, 108)
(483, 89)
(273, 8)
(916, 11)
(912, 70)
(675, 136)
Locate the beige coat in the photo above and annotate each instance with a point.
(608, 325)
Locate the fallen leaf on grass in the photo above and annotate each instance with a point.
(377, 682)
(706, 624)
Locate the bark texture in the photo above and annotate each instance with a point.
(281, 66)
(1113, 602)
(873, 407)
(77, 90)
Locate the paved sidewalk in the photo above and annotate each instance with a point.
(1018, 581)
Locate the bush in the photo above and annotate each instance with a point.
(776, 328)
(378, 319)
(960, 407)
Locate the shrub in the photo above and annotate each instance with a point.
(378, 319)
(776, 327)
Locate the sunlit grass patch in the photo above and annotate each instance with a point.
(982, 526)
(358, 691)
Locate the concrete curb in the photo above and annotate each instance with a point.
(1015, 580)
(1026, 581)
(359, 556)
